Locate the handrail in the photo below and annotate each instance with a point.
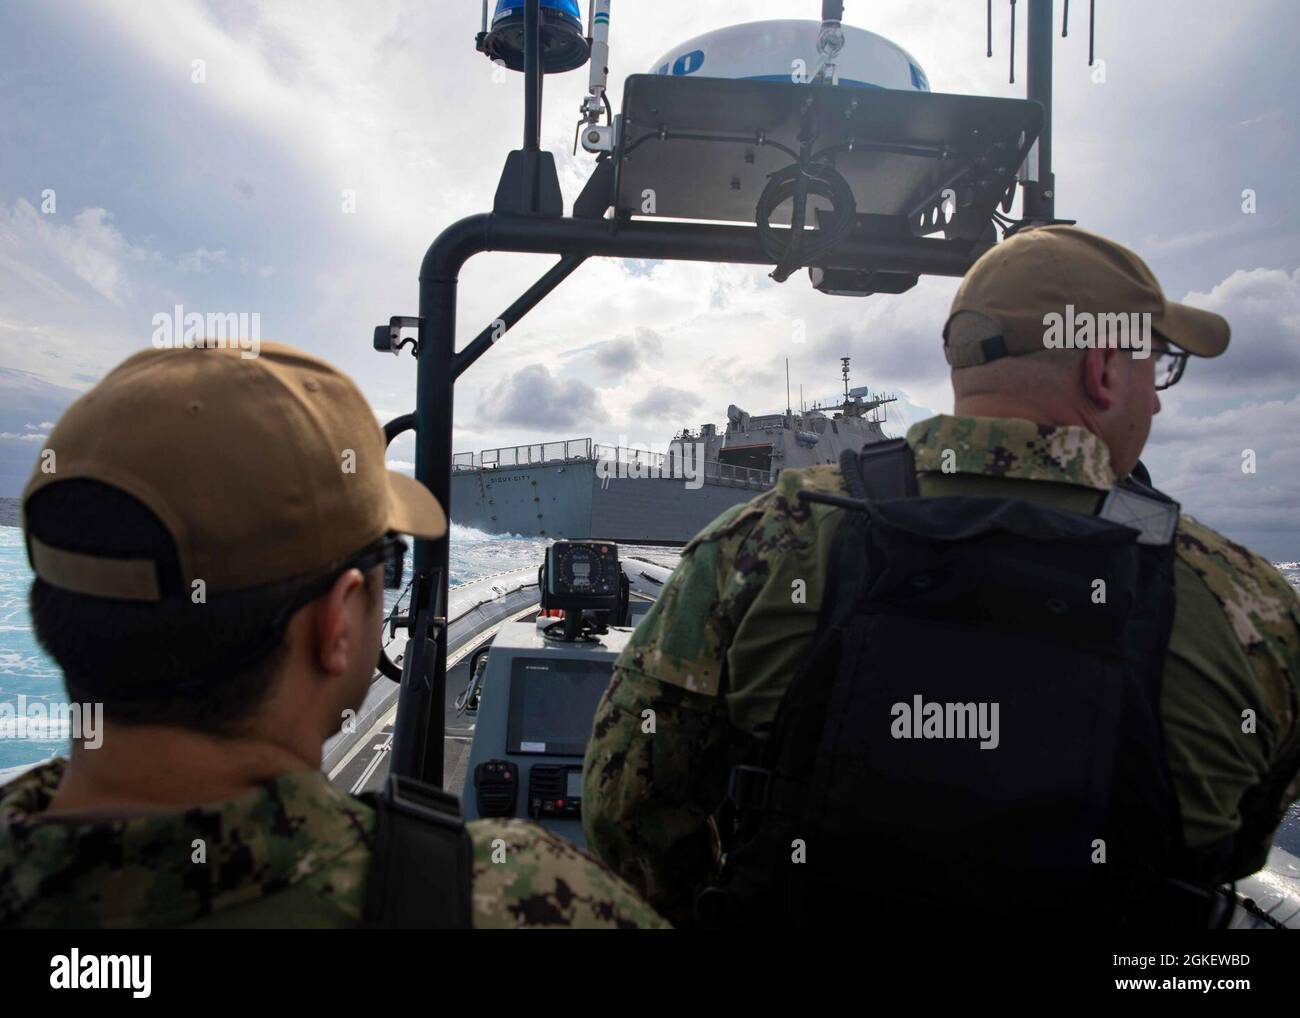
(569, 450)
(387, 666)
(658, 464)
(582, 450)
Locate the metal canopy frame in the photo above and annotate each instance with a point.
(705, 147)
(528, 218)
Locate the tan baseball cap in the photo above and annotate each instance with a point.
(262, 469)
(1006, 294)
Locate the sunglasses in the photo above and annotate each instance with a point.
(391, 551)
(1170, 363)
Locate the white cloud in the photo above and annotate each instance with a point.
(1201, 461)
(1224, 442)
(666, 403)
(89, 247)
(201, 259)
(533, 397)
(1263, 308)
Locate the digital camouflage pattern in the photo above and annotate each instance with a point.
(713, 657)
(294, 853)
(1011, 448)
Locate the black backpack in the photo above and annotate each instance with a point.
(950, 624)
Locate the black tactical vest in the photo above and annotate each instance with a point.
(977, 735)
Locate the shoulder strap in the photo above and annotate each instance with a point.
(880, 470)
(1152, 513)
(421, 864)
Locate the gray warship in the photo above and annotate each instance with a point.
(575, 488)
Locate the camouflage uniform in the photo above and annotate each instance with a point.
(294, 853)
(715, 654)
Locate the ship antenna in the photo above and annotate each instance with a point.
(844, 369)
(787, 386)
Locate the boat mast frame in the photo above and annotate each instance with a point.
(540, 228)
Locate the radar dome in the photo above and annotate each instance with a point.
(787, 51)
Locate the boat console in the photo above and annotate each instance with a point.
(537, 694)
(535, 713)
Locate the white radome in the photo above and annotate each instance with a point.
(779, 50)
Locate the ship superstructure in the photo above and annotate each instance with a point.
(577, 488)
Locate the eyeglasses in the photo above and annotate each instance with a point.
(1169, 364)
(391, 551)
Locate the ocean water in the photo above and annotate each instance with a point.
(25, 670)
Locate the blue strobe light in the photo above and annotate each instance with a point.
(564, 46)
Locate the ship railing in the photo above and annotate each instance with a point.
(625, 461)
(571, 450)
(643, 463)
(714, 470)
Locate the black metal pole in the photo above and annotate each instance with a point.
(645, 239)
(1013, 43)
(1092, 31)
(418, 735)
(1040, 197)
(533, 74)
(508, 318)
(398, 425)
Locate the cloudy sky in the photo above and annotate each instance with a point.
(227, 195)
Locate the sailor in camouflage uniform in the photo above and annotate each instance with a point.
(715, 655)
(209, 547)
(292, 853)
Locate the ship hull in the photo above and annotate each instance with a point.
(569, 500)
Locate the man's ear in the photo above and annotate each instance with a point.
(1099, 378)
(334, 631)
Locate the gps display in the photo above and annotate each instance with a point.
(552, 703)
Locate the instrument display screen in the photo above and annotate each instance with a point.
(584, 568)
(552, 704)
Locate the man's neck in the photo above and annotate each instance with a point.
(999, 405)
(143, 769)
